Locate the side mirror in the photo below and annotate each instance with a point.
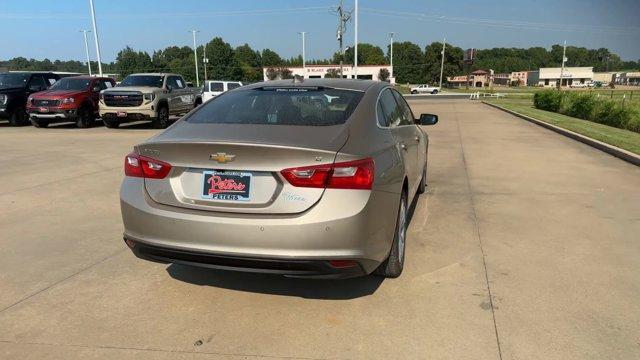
(96, 89)
(428, 119)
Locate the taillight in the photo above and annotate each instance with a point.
(356, 174)
(141, 166)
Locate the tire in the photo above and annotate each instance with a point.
(197, 103)
(39, 123)
(422, 187)
(19, 117)
(393, 265)
(434, 92)
(111, 124)
(162, 119)
(414, 92)
(85, 117)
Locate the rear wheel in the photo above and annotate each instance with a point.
(112, 124)
(393, 265)
(85, 117)
(39, 123)
(162, 119)
(414, 92)
(197, 103)
(434, 92)
(19, 117)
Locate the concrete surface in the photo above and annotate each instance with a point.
(546, 225)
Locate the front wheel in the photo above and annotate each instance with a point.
(393, 265)
(162, 119)
(85, 118)
(414, 92)
(434, 92)
(19, 117)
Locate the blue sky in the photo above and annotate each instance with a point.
(50, 29)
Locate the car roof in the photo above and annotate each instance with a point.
(154, 74)
(347, 84)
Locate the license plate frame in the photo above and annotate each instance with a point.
(121, 114)
(227, 185)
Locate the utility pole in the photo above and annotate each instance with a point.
(343, 18)
(95, 36)
(391, 55)
(86, 49)
(355, 50)
(195, 54)
(444, 43)
(205, 61)
(564, 59)
(304, 62)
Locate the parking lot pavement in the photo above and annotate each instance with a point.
(548, 226)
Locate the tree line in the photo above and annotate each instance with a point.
(412, 63)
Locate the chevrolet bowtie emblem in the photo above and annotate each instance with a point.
(222, 157)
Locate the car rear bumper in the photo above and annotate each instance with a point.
(353, 225)
(281, 266)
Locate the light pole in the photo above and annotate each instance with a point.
(355, 49)
(204, 63)
(304, 62)
(95, 36)
(444, 42)
(391, 55)
(86, 49)
(195, 54)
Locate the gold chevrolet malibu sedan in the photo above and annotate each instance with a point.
(304, 178)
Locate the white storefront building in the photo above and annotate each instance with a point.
(369, 72)
(570, 76)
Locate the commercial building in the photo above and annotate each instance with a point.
(604, 77)
(478, 78)
(368, 72)
(629, 78)
(550, 77)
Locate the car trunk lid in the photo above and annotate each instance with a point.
(236, 168)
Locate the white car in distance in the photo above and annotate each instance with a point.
(425, 89)
(213, 88)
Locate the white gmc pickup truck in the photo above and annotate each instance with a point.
(148, 97)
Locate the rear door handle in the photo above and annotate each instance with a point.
(418, 138)
(403, 146)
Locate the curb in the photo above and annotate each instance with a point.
(609, 149)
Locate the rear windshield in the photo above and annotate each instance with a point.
(71, 84)
(143, 80)
(280, 106)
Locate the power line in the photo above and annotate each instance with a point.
(57, 16)
(629, 30)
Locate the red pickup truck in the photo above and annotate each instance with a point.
(72, 99)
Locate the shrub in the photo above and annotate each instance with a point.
(581, 106)
(548, 100)
(633, 122)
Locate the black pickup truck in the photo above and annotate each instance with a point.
(15, 88)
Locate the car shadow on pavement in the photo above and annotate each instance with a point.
(277, 285)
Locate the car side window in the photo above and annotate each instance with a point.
(231, 86)
(172, 82)
(405, 110)
(216, 86)
(179, 82)
(390, 109)
(50, 79)
(37, 80)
